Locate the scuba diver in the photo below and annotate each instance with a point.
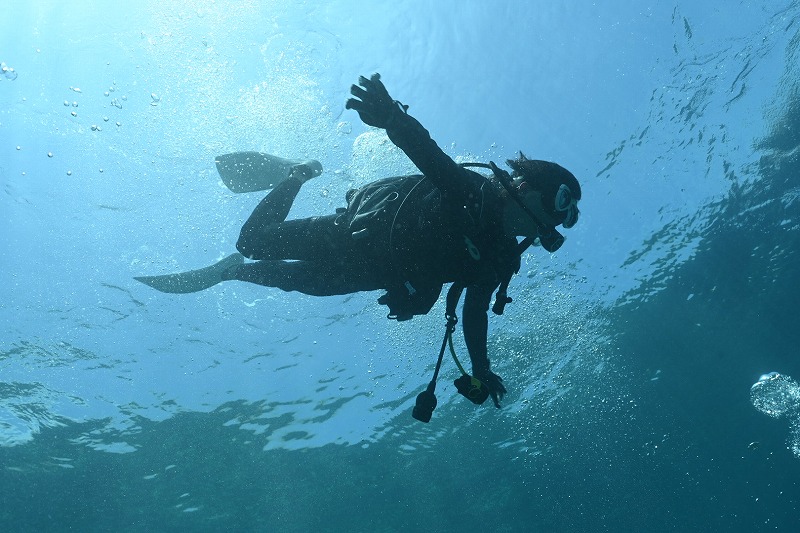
(407, 235)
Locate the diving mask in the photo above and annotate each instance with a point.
(565, 201)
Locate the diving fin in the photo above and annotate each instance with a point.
(256, 171)
(193, 280)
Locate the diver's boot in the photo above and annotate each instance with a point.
(306, 170)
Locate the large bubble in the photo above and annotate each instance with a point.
(8, 72)
(775, 394)
(778, 395)
(374, 156)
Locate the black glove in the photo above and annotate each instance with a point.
(494, 383)
(375, 107)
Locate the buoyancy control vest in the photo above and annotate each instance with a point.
(429, 239)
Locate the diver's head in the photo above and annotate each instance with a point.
(551, 191)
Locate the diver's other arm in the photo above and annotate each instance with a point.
(475, 323)
(377, 108)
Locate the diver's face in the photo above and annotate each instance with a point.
(533, 199)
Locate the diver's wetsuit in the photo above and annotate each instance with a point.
(448, 228)
(324, 258)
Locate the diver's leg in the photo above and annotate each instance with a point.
(310, 239)
(270, 212)
(309, 277)
(274, 208)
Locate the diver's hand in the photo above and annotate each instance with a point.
(494, 383)
(373, 103)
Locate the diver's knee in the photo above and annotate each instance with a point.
(244, 246)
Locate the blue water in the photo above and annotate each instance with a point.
(629, 355)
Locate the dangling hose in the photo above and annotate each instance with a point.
(426, 400)
(469, 386)
(448, 337)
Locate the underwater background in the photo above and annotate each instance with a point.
(637, 357)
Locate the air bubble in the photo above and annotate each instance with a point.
(344, 128)
(8, 72)
(49, 154)
(775, 395)
(778, 396)
(69, 173)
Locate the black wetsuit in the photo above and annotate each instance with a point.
(445, 226)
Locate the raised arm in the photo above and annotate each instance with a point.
(376, 108)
